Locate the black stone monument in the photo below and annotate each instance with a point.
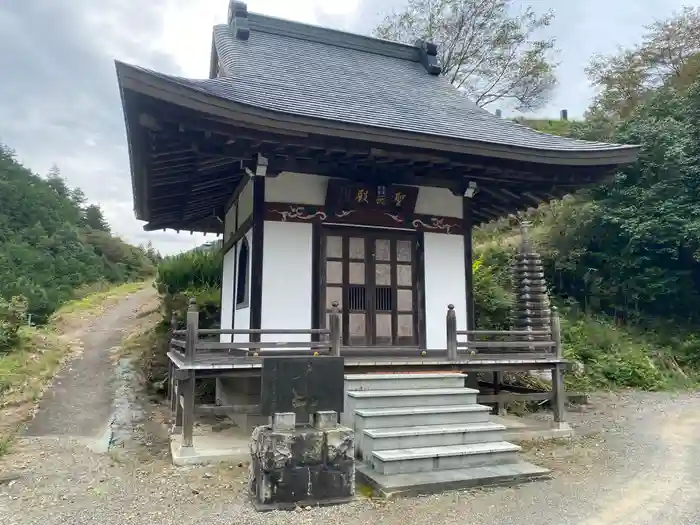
(303, 385)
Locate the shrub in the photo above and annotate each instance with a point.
(12, 317)
(190, 270)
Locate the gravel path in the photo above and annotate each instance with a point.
(79, 403)
(636, 463)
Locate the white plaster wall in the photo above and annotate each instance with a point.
(297, 188)
(230, 222)
(286, 300)
(444, 284)
(242, 317)
(438, 201)
(227, 295)
(245, 202)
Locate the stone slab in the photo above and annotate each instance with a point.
(426, 459)
(529, 428)
(303, 385)
(211, 448)
(423, 483)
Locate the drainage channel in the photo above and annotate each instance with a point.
(125, 410)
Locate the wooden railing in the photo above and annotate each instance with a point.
(195, 341)
(192, 340)
(502, 341)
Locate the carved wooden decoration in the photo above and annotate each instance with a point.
(285, 212)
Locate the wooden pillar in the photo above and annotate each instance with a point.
(188, 408)
(256, 271)
(558, 394)
(186, 387)
(497, 382)
(335, 328)
(558, 391)
(177, 417)
(467, 226)
(192, 332)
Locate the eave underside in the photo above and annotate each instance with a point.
(187, 164)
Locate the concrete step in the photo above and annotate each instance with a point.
(419, 416)
(420, 483)
(425, 459)
(403, 381)
(429, 436)
(358, 399)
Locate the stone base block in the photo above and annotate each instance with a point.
(303, 466)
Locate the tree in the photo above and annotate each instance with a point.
(77, 197)
(57, 182)
(634, 245)
(93, 218)
(484, 50)
(669, 55)
(48, 247)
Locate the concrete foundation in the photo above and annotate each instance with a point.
(230, 445)
(241, 391)
(528, 428)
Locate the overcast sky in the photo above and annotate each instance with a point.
(59, 101)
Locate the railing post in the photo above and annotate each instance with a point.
(192, 331)
(171, 366)
(335, 329)
(556, 333)
(451, 325)
(188, 385)
(558, 390)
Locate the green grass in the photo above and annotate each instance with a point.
(97, 300)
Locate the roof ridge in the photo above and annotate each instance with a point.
(334, 37)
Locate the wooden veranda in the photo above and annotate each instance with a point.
(196, 354)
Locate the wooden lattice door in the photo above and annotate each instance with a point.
(372, 275)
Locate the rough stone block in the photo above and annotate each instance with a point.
(330, 482)
(276, 450)
(284, 421)
(340, 444)
(302, 465)
(325, 419)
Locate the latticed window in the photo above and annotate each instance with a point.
(242, 280)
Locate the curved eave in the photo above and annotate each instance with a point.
(136, 160)
(152, 84)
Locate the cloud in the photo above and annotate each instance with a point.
(58, 92)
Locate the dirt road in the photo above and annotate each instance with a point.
(637, 464)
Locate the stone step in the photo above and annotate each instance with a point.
(388, 418)
(403, 381)
(425, 459)
(419, 416)
(410, 398)
(425, 436)
(420, 483)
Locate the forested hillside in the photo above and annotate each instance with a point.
(52, 242)
(623, 258)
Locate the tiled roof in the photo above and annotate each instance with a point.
(321, 73)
